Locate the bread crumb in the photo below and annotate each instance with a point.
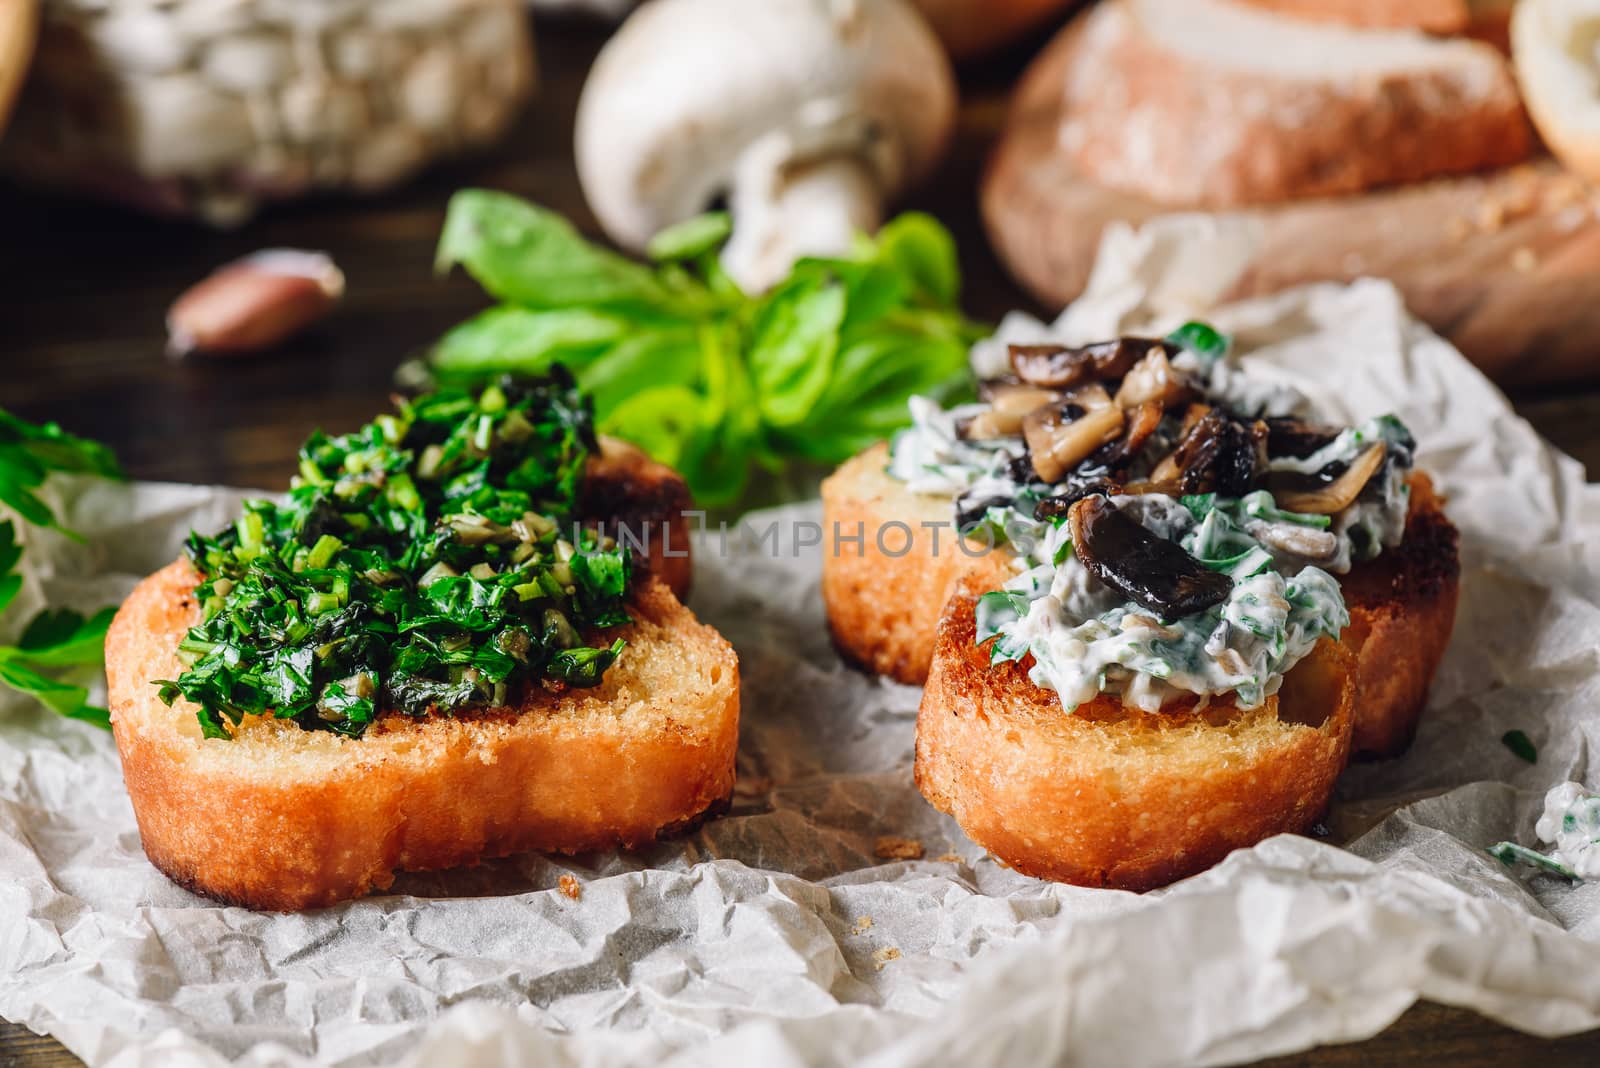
(951, 858)
(1458, 229)
(1491, 216)
(863, 925)
(571, 887)
(1524, 261)
(892, 848)
(881, 957)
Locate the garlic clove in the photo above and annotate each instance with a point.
(254, 303)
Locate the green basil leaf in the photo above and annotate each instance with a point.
(524, 341)
(925, 253)
(526, 255)
(645, 359)
(793, 341)
(661, 420)
(690, 238)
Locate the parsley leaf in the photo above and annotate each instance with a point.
(57, 639)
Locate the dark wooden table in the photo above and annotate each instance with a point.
(87, 287)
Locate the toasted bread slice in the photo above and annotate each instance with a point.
(284, 818)
(883, 602)
(1110, 796)
(1402, 611)
(625, 493)
(883, 608)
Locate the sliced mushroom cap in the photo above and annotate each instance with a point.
(1058, 444)
(1007, 405)
(1062, 366)
(1141, 422)
(1341, 493)
(1153, 379)
(1295, 539)
(1151, 571)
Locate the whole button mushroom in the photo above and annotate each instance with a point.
(805, 115)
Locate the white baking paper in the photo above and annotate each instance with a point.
(775, 936)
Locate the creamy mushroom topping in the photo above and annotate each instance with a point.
(1128, 616)
(1571, 823)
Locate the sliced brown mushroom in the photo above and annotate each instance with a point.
(1062, 366)
(1140, 423)
(1151, 571)
(1339, 494)
(1058, 443)
(1217, 454)
(1296, 437)
(1153, 379)
(1007, 406)
(1068, 493)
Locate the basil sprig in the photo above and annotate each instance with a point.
(428, 562)
(54, 641)
(706, 378)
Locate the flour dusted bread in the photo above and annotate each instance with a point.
(1110, 796)
(284, 818)
(1558, 64)
(1219, 103)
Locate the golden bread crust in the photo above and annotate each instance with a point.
(1402, 611)
(881, 606)
(283, 818)
(1112, 797)
(623, 487)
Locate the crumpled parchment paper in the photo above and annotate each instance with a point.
(775, 936)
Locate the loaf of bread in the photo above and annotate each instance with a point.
(1216, 103)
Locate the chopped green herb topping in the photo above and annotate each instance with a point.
(1520, 744)
(430, 561)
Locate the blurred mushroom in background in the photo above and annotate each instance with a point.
(805, 116)
(972, 27)
(208, 109)
(19, 26)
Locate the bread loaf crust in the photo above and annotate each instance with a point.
(1180, 129)
(1108, 796)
